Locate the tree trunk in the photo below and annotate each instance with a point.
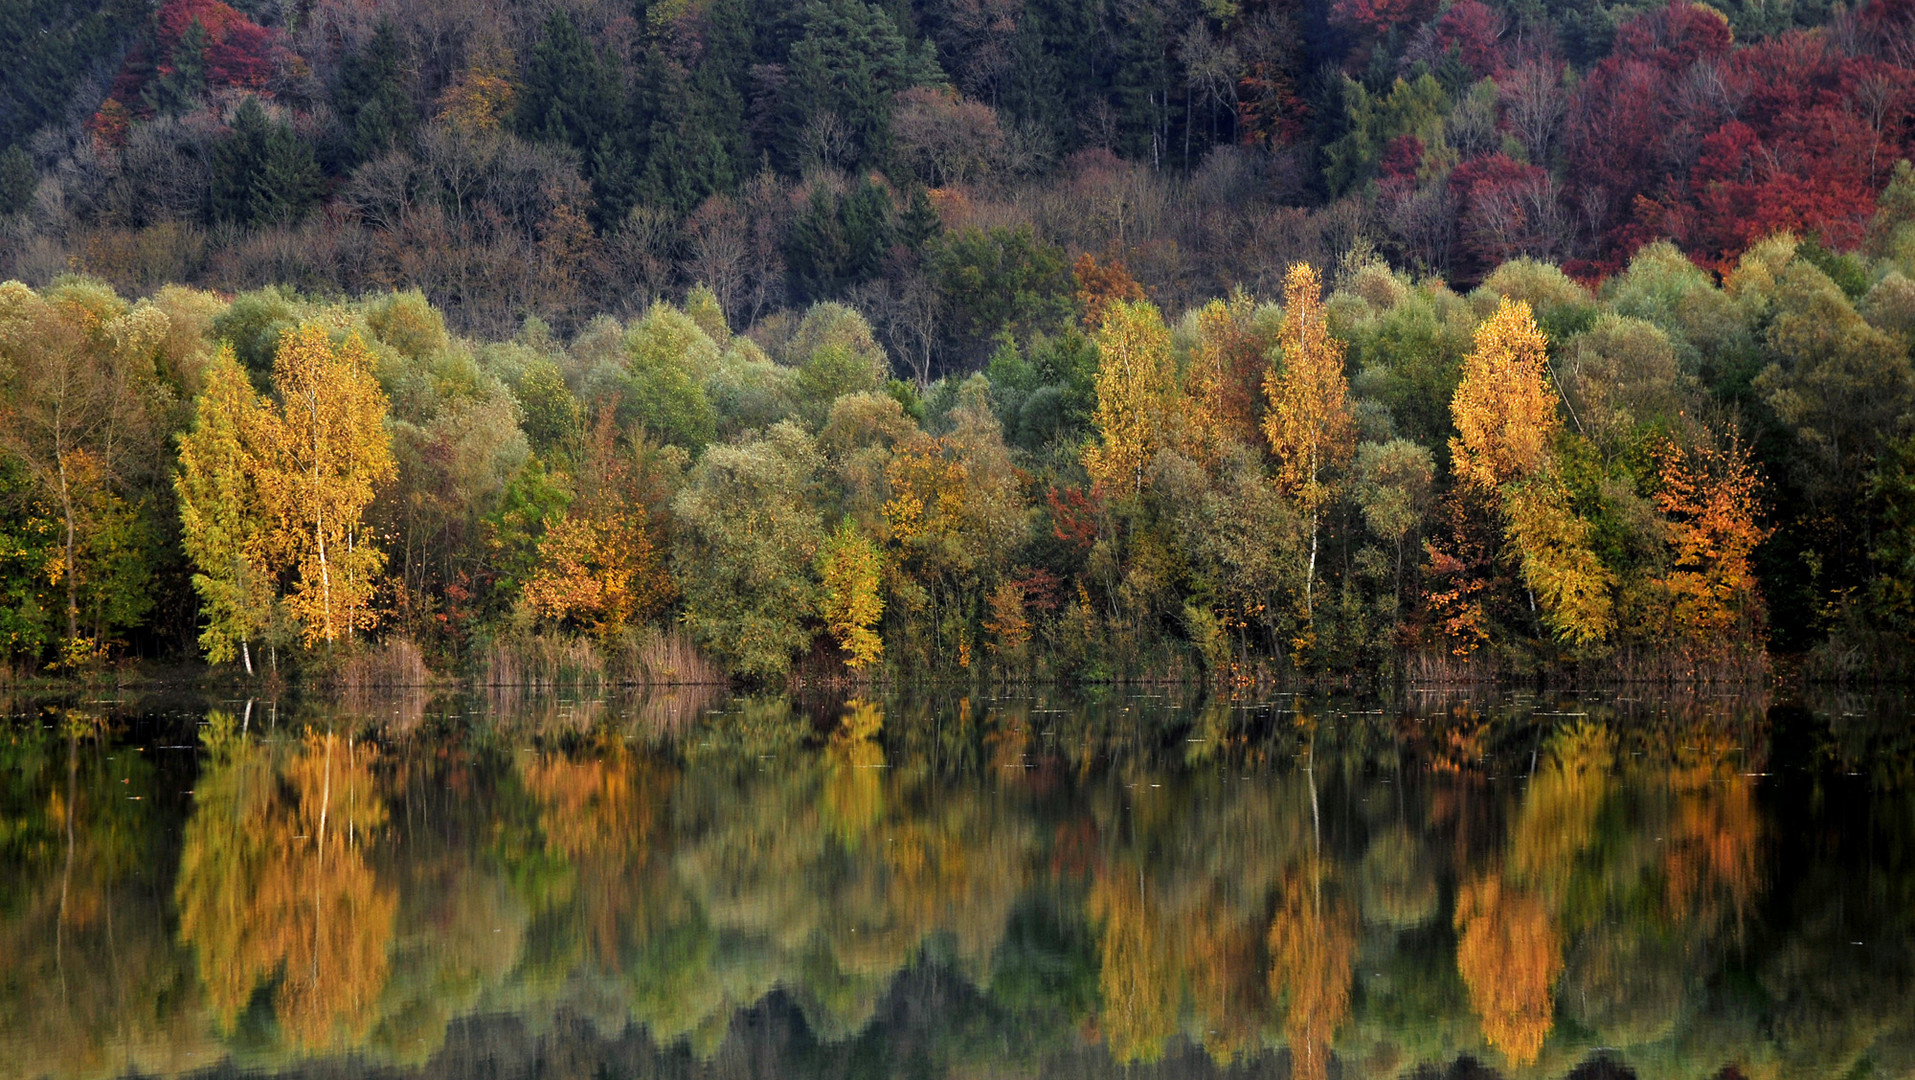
(72, 579)
(246, 654)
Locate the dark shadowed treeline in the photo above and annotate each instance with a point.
(564, 160)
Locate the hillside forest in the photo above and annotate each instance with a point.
(1052, 338)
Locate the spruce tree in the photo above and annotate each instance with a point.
(237, 160)
(371, 95)
(17, 180)
(180, 89)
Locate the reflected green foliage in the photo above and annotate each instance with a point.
(949, 887)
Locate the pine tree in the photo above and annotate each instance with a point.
(371, 96)
(237, 161)
(178, 90)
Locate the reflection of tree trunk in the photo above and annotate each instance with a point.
(66, 872)
(319, 910)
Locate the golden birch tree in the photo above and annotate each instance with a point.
(329, 453)
(221, 525)
(1506, 423)
(1309, 423)
(1136, 391)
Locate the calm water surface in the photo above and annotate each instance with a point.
(1444, 885)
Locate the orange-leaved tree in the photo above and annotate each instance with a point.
(1227, 365)
(1510, 954)
(1506, 423)
(598, 567)
(1710, 498)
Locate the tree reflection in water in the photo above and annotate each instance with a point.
(934, 886)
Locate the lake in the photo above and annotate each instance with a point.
(1135, 881)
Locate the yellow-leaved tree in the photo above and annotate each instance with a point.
(1136, 395)
(1309, 423)
(222, 525)
(1506, 423)
(850, 567)
(323, 451)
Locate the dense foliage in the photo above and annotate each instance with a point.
(1054, 337)
(1666, 477)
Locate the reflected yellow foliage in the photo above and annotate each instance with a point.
(274, 888)
(1312, 939)
(1509, 954)
(1137, 979)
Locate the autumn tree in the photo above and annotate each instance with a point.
(80, 409)
(222, 524)
(851, 601)
(1510, 955)
(1136, 395)
(1506, 422)
(1309, 423)
(328, 453)
(1312, 943)
(598, 566)
(1709, 496)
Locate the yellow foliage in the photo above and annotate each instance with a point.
(1510, 954)
(322, 451)
(1309, 424)
(274, 888)
(1136, 393)
(599, 570)
(1570, 584)
(1137, 973)
(850, 568)
(1504, 409)
(1312, 940)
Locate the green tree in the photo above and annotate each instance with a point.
(747, 532)
(178, 90)
(371, 96)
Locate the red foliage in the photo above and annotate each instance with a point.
(1402, 157)
(239, 54)
(1475, 31)
(1505, 210)
(1073, 518)
(1381, 16)
(1678, 135)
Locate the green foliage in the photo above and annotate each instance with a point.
(1001, 279)
(747, 535)
(262, 173)
(17, 180)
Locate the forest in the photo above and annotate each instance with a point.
(588, 342)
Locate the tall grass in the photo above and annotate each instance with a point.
(567, 662)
